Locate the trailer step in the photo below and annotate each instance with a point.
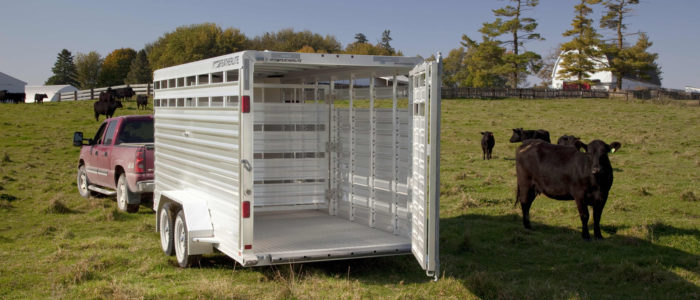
(101, 190)
(210, 240)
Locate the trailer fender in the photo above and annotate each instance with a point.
(200, 231)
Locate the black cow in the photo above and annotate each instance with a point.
(141, 100)
(520, 135)
(122, 93)
(571, 141)
(564, 173)
(39, 98)
(106, 106)
(487, 142)
(15, 97)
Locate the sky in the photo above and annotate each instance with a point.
(33, 32)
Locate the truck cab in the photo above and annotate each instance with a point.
(118, 160)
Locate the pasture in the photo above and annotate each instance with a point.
(56, 244)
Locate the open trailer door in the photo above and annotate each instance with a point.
(424, 97)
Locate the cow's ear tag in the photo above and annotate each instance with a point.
(612, 150)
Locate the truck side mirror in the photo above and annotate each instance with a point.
(77, 139)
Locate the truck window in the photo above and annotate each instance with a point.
(110, 132)
(98, 136)
(136, 131)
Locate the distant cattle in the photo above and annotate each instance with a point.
(39, 98)
(15, 98)
(564, 173)
(122, 93)
(487, 143)
(106, 105)
(141, 100)
(520, 135)
(571, 141)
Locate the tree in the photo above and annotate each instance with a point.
(64, 71)
(616, 11)
(454, 71)
(290, 41)
(520, 29)
(116, 66)
(581, 56)
(484, 63)
(306, 49)
(88, 69)
(360, 38)
(195, 42)
(386, 38)
(636, 61)
(139, 71)
(366, 49)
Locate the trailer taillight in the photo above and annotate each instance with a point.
(140, 163)
(245, 104)
(246, 209)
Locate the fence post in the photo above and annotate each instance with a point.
(75, 95)
(148, 89)
(92, 93)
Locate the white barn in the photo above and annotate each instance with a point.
(605, 80)
(11, 84)
(51, 91)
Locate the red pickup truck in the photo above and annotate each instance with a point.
(118, 160)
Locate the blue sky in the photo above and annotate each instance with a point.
(33, 32)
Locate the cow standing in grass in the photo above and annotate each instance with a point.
(141, 100)
(564, 173)
(571, 141)
(39, 98)
(106, 105)
(520, 135)
(487, 143)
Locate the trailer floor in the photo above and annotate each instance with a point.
(316, 233)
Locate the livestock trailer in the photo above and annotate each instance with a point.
(276, 157)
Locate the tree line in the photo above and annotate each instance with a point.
(498, 59)
(192, 43)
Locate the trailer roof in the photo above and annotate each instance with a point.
(292, 65)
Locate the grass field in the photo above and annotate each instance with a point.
(55, 244)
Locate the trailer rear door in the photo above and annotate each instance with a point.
(424, 97)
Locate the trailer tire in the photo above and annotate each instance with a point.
(125, 196)
(166, 222)
(83, 183)
(184, 259)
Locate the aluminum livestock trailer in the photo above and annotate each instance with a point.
(276, 157)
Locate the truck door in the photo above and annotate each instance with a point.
(424, 97)
(102, 152)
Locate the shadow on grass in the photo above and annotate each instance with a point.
(494, 257)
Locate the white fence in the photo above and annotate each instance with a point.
(139, 89)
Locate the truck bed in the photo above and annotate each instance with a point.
(309, 235)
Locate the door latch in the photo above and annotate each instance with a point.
(246, 165)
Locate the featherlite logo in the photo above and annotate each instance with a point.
(230, 61)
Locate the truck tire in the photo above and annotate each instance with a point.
(83, 183)
(125, 196)
(184, 259)
(166, 222)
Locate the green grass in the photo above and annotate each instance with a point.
(55, 244)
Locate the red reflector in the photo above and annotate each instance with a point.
(246, 209)
(245, 104)
(248, 247)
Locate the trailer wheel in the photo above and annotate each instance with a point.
(184, 259)
(83, 183)
(165, 226)
(124, 196)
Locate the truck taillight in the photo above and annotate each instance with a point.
(246, 209)
(245, 104)
(140, 163)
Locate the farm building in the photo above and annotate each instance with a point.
(605, 80)
(51, 91)
(11, 84)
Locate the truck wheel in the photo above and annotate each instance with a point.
(184, 259)
(83, 182)
(165, 226)
(124, 196)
